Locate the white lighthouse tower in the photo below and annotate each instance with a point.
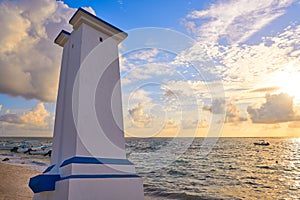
(89, 158)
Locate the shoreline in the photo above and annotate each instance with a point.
(15, 179)
(14, 182)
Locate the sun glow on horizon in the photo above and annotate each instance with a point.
(289, 83)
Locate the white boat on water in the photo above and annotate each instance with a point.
(261, 143)
(42, 150)
(20, 148)
(7, 146)
(25, 146)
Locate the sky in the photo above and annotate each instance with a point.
(236, 73)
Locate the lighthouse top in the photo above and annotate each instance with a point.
(82, 16)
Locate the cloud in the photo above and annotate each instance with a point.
(266, 89)
(148, 55)
(136, 72)
(173, 88)
(277, 108)
(1, 107)
(233, 114)
(250, 66)
(217, 106)
(170, 124)
(37, 117)
(249, 62)
(138, 117)
(295, 124)
(169, 93)
(234, 21)
(190, 26)
(89, 9)
(137, 96)
(11, 118)
(27, 51)
(257, 67)
(193, 124)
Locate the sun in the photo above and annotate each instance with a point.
(289, 82)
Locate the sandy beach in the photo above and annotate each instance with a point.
(14, 182)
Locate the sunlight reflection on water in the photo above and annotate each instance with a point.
(234, 169)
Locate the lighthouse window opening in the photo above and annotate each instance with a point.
(100, 39)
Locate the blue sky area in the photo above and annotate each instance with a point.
(239, 69)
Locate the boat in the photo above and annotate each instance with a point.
(128, 153)
(7, 146)
(25, 146)
(43, 150)
(20, 148)
(262, 143)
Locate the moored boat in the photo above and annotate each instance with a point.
(43, 150)
(262, 143)
(25, 146)
(20, 148)
(6, 146)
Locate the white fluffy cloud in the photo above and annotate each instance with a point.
(219, 106)
(138, 117)
(277, 108)
(295, 124)
(233, 114)
(193, 124)
(170, 124)
(29, 60)
(37, 117)
(243, 65)
(139, 96)
(233, 20)
(148, 55)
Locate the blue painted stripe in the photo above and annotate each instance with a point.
(92, 160)
(100, 176)
(43, 182)
(46, 182)
(49, 169)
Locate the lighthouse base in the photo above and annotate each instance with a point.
(104, 187)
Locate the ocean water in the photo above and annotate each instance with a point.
(224, 168)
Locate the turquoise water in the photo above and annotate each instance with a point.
(227, 168)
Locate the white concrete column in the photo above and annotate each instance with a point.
(89, 158)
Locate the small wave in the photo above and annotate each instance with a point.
(38, 163)
(266, 167)
(232, 168)
(7, 154)
(175, 172)
(267, 186)
(250, 177)
(250, 183)
(181, 161)
(182, 195)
